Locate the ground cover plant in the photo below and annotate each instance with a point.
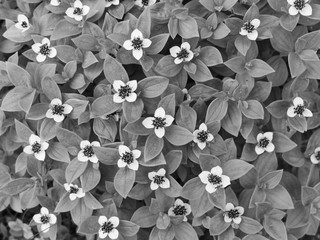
(159, 120)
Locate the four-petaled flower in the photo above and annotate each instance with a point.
(23, 23)
(144, 3)
(36, 147)
(233, 214)
(201, 136)
(299, 109)
(108, 227)
(214, 179)
(112, 2)
(45, 218)
(158, 122)
(300, 6)
(264, 143)
(158, 179)
(128, 158)
(315, 157)
(183, 54)
(249, 29)
(78, 10)
(55, 2)
(124, 91)
(44, 50)
(74, 190)
(86, 153)
(136, 44)
(180, 209)
(57, 110)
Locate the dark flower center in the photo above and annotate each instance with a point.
(44, 49)
(202, 136)
(107, 227)
(214, 179)
(183, 54)
(299, 109)
(127, 157)
(45, 219)
(73, 189)
(317, 155)
(57, 109)
(24, 24)
(264, 142)
(159, 122)
(88, 151)
(77, 11)
(145, 2)
(248, 27)
(233, 213)
(299, 4)
(179, 210)
(124, 91)
(137, 43)
(36, 147)
(158, 179)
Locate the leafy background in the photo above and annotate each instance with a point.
(238, 87)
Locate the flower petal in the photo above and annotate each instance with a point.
(77, 4)
(188, 208)
(45, 227)
(237, 220)
(53, 219)
(121, 163)
(123, 149)
(137, 53)
(204, 177)
(270, 147)
(253, 35)
(46, 41)
(44, 145)
(117, 98)
(313, 159)
(210, 137)
(127, 45)
(307, 113)
(115, 221)
(291, 2)
(102, 234)
(41, 58)
(22, 18)
(243, 32)
(165, 183)
(161, 172)
(67, 186)
(169, 120)
(136, 34)
(268, 135)
(151, 175)
(146, 43)
(148, 122)
(34, 138)
(185, 45)
(160, 112)
(136, 153)
(78, 17)
(190, 56)
(203, 127)
(95, 144)
(132, 97)
(240, 210)
(154, 186)
(259, 150)
(293, 11)
(133, 85)
(69, 12)
(260, 136)
(102, 220)
(67, 108)
(58, 118)
(53, 52)
(40, 155)
(94, 158)
(49, 113)
(227, 219)
(134, 165)
(229, 206)
(255, 22)
(178, 60)
(44, 211)
(174, 51)
(114, 234)
(82, 157)
(84, 143)
(36, 47)
(55, 2)
(85, 10)
(37, 218)
(117, 84)
(307, 10)
(178, 202)
(298, 101)
(217, 170)
(159, 132)
(170, 212)
(28, 149)
(202, 145)
(225, 181)
(72, 196)
(290, 112)
(211, 188)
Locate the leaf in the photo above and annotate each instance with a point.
(17, 75)
(78, 107)
(144, 218)
(86, 42)
(210, 56)
(89, 226)
(193, 189)
(75, 169)
(184, 231)
(152, 87)
(249, 225)
(108, 156)
(18, 99)
(216, 110)
(173, 159)
(252, 109)
(308, 41)
(233, 119)
(278, 109)
(113, 70)
(23, 131)
(188, 28)
(242, 43)
(258, 68)
(202, 73)
(260, 91)
(124, 180)
(166, 67)
(236, 64)
(282, 143)
(178, 136)
(17, 186)
(186, 117)
(279, 198)
(58, 152)
(37, 111)
(296, 65)
(50, 88)
(91, 202)
(207, 162)
(144, 23)
(218, 225)
(127, 228)
(48, 129)
(235, 168)
(65, 29)
(69, 139)
(90, 178)
(153, 147)
(280, 74)
(158, 43)
(275, 228)
(282, 40)
(298, 123)
(271, 179)
(133, 111)
(103, 106)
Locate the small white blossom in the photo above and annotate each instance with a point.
(315, 157)
(264, 143)
(108, 227)
(78, 10)
(158, 122)
(299, 109)
(183, 54)
(158, 179)
(233, 214)
(112, 2)
(124, 91)
(180, 209)
(128, 158)
(55, 2)
(45, 218)
(57, 110)
(201, 136)
(144, 3)
(74, 190)
(214, 179)
(23, 23)
(44, 50)
(299, 6)
(37, 147)
(249, 29)
(86, 153)
(136, 44)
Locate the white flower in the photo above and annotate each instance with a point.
(183, 54)
(201, 136)
(180, 209)
(136, 44)
(108, 227)
(128, 158)
(23, 23)
(112, 2)
(74, 190)
(299, 109)
(315, 157)
(300, 6)
(144, 3)
(158, 179)
(55, 2)
(86, 153)
(158, 122)
(78, 10)
(249, 29)
(45, 218)
(57, 110)
(264, 143)
(124, 91)
(214, 179)
(233, 213)
(37, 147)
(43, 50)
